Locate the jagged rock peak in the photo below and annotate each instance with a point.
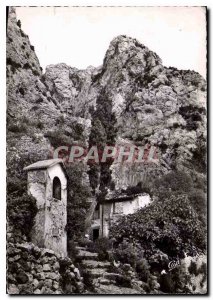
(20, 52)
(122, 44)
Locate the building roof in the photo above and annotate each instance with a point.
(44, 164)
(121, 198)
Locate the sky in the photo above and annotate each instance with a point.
(80, 36)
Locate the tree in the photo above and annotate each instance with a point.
(19, 23)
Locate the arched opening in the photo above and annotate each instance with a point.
(56, 188)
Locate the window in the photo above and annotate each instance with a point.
(96, 212)
(56, 188)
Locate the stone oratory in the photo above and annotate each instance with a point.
(47, 183)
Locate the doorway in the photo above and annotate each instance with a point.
(95, 234)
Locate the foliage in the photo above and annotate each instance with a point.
(19, 23)
(21, 211)
(103, 132)
(60, 136)
(175, 181)
(143, 269)
(17, 128)
(57, 138)
(179, 183)
(72, 250)
(16, 186)
(200, 155)
(170, 226)
(139, 188)
(93, 173)
(77, 205)
(126, 252)
(198, 200)
(102, 247)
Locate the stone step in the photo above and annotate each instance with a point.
(86, 255)
(105, 281)
(113, 276)
(80, 248)
(116, 290)
(96, 273)
(91, 264)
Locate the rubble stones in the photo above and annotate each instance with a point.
(36, 271)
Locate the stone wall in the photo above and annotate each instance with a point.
(31, 270)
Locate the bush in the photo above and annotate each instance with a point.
(40, 124)
(174, 181)
(199, 202)
(58, 138)
(21, 91)
(19, 23)
(139, 188)
(170, 226)
(16, 186)
(21, 211)
(143, 269)
(125, 252)
(72, 250)
(17, 128)
(102, 247)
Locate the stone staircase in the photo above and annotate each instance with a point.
(103, 280)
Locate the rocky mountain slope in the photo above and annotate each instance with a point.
(153, 104)
(132, 99)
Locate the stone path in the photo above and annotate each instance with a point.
(103, 280)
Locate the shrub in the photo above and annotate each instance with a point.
(170, 226)
(102, 247)
(26, 66)
(21, 91)
(175, 181)
(16, 186)
(14, 65)
(19, 23)
(35, 72)
(198, 200)
(192, 115)
(18, 128)
(125, 253)
(193, 268)
(57, 138)
(143, 269)
(40, 124)
(21, 211)
(139, 188)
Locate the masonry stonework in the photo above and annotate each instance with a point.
(49, 230)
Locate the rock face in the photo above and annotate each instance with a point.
(153, 104)
(150, 104)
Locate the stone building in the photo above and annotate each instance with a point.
(47, 183)
(109, 210)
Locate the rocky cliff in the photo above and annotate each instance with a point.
(132, 99)
(152, 104)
